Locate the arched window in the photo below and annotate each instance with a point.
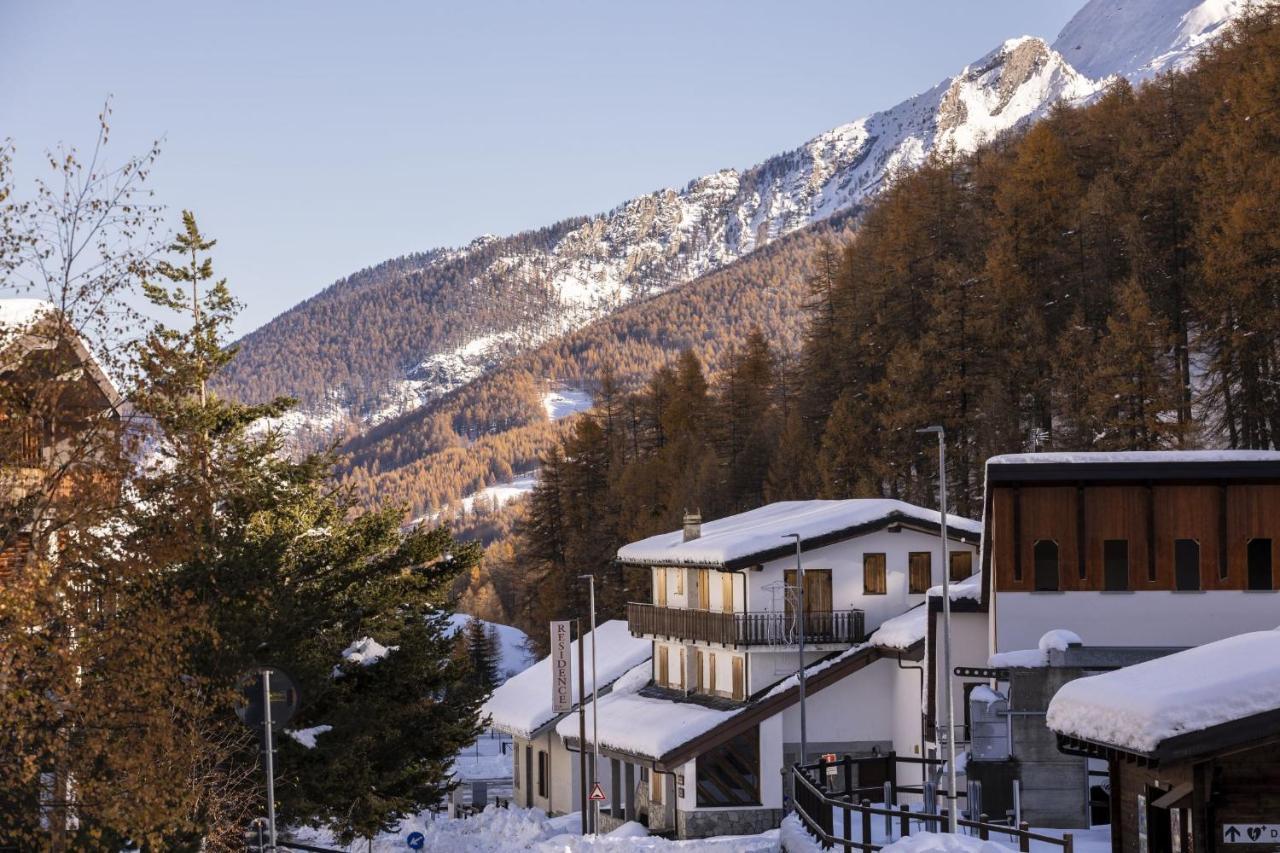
(1186, 564)
(1046, 558)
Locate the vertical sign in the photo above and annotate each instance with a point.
(561, 670)
(1142, 824)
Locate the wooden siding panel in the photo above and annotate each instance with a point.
(1252, 512)
(1049, 512)
(1002, 543)
(1116, 512)
(1187, 512)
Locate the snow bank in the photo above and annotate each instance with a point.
(970, 588)
(759, 530)
(366, 651)
(902, 632)
(941, 842)
(514, 656)
(564, 402)
(1139, 706)
(307, 737)
(1057, 639)
(523, 704)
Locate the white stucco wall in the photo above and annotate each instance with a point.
(969, 647)
(859, 707)
(1155, 618)
(844, 560)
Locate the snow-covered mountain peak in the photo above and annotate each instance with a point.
(1138, 39)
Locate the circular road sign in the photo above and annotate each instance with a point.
(284, 697)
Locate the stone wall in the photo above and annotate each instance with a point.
(702, 823)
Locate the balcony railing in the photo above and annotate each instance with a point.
(763, 628)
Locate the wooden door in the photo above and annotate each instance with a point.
(660, 587)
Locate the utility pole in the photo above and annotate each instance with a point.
(582, 725)
(595, 707)
(804, 734)
(949, 720)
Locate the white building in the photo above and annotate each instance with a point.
(698, 737)
(545, 772)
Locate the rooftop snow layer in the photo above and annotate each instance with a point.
(522, 705)
(760, 530)
(902, 631)
(20, 313)
(1136, 456)
(1138, 707)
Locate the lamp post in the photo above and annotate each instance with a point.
(949, 719)
(595, 707)
(804, 735)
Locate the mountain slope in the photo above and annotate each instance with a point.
(403, 333)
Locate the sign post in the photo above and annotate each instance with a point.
(561, 669)
(269, 699)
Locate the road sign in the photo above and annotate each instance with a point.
(416, 841)
(561, 669)
(829, 757)
(284, 698)
(1251, 833)
(597, 793)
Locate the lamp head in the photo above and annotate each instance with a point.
(932, 429)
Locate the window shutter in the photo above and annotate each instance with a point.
(739, 681)
(920, 565)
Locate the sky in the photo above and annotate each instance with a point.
(315, 139)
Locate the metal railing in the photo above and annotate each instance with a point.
(762, 628)
(816, 800)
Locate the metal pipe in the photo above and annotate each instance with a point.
(582, 731)
(271, 769)
(595, 709)
(804, 735)
(952, 793)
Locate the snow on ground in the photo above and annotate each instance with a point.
(488, 758)
(902, 631)
(560, 403)
(1140, 706)
(366, 651)
(942, 842)
(759, 530)
(798, 840)
(507, 830)
(513, 644)
(523, 703)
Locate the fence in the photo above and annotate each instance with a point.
(817, 800)
(731, 628)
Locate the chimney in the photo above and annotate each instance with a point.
(692, 525)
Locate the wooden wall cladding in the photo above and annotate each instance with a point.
(1117, 512)
(1188, 512)
(1253, 512)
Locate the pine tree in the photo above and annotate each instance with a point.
(479, 642)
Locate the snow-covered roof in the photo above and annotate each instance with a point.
(522, 705)
(1139, 707)
(758, 534)
(1136, 457)
(903, 631)
(21, 313)
(970, 588)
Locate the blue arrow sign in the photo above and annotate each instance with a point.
(416, 841)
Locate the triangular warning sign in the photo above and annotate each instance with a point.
(597, 793)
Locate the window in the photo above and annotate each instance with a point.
(961, 564)
(873, 574)
(1260, 564)
(528, 776)
(726, 592)
(660, 667)
(542, 773)
(1115, 564)
(1046, 559)
(920, 564)
(1186, 564)
(729, 774)
(739, 679)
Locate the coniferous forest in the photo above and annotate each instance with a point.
(1108, 279)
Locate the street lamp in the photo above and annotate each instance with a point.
(595, 707)
(949, 720)
(804, 735)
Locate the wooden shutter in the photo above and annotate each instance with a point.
(704, 589)
(726, 592)
(684, 678)
(873, 574)
(660, 667)
(655, 787)
(789, 579)
(660, 587)
(920, 565)
(711, 673)
(817, 591)
(679, 581)
(739, 679)
(961, 564)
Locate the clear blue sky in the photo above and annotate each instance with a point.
(313, 139)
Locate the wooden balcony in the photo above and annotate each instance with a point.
(764, 628)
